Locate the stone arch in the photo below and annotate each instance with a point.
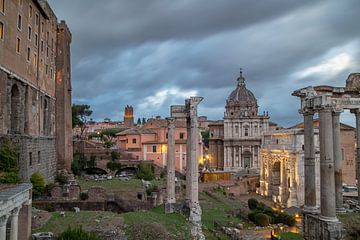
(96, 170)
(247, 159)
(130, 170)
(15, 109)
(276, 174)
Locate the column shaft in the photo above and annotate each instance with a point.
(194, 141)
(3, 221)
(188, 159)
(309, 155)
(14, 225)
(171, 162)
(337, 160)
(357, 114)
(327, 175)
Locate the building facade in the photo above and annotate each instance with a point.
(149, 142)
(243, 127)
(28, 74)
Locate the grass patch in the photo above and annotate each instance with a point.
(155, 224)
(291, 236)
(89, 220)
(351, 222)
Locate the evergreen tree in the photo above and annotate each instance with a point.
(139, 121)
(143, 121)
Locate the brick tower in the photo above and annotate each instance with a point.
(129, 116)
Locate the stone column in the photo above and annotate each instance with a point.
(327, 174)
(3, 221)
(337, 161)
(14, 224)
(188, 154)
(357, 115)
(309, 156)
(170, 200)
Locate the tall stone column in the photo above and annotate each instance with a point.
(337, 161)
(327, 175)
(309, 155)
(3, 221)
(194, 206)
(188, 154)
(170, 200)
(14, 224)
(357, 115)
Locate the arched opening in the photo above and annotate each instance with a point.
(246, 159)
(95, 170)
(127, 172)
(276, 178)
(14, 109)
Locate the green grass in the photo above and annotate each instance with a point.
(351, 222)
(155, 224)
(117, 185)
(86, 219)
(291, 236)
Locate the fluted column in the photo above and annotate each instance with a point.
(14, 224)
(170, 166)
(327, 175)
(357, 115)
(3, 221)
(337, 160)
(309, 155)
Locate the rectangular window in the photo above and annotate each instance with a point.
(39, 157)
(236, 129)
(30, 11)
(36, 19)
(19, 22)
(154, 148)
(36, 39)
(1, 30)
(181, 136)
(29, 33)
(28, 54)
(30, 159)
(18, 45)
(47, 52)
(42, 46)
(2, 6)
(42, 26)
(47, 38)
(35, 60)
(246, 132)
(134, 140)
(46, 69)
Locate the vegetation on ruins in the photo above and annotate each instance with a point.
(77, 234)
(80, 163)
(61, 179)
(106, 135)
(8, 164)
(205, 136)
(38, 182)
(84, 196)
(259, 209)
(145, 171)
(80, 114)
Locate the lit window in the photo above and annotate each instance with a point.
(1, 30)
(2, 5)
(154, 149)
(28, 54)
(18, 45)
(19, 22)
(29, 33)
(30, 11)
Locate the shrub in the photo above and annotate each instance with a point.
(114, 155)
(77, 234)
(113, 166)
(162, 174)
(49, 207)
(78, 164)
(151, 189)
(9, 178)
(38, 183)
(61, 179)
(145, 172)
(262, 219)
(8, 157)
(253, 203)
(252, 214)
(84, 196)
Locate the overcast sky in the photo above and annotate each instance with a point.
(155, 53)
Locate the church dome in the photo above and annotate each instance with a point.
(241, 101)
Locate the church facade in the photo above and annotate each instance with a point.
(241, 136)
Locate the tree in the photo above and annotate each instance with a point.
(8, 157)
(205, 136)
(143, 121)
(145, 171)
(80, 114)
(138, 121)
(38, 183)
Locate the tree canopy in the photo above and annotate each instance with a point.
(80, 114)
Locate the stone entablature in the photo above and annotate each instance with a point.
(15, 206)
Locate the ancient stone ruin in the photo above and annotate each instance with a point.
(328, 102)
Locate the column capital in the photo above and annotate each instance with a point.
(325, 108)
(3, 219)
(337, 112)
(355, 111)
(15, 211)
(307, 111)
(170, 122)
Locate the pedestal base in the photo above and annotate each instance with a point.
(195, 222)
(317, 227)
(170, 207)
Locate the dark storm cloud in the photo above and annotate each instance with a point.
(153, 53)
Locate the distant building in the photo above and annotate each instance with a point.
(149, 142)
(240, 136)
(34, 73)
(129, 116)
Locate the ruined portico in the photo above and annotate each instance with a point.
(328, 102)
(15, 212)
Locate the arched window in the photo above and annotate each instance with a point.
(14, 109)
